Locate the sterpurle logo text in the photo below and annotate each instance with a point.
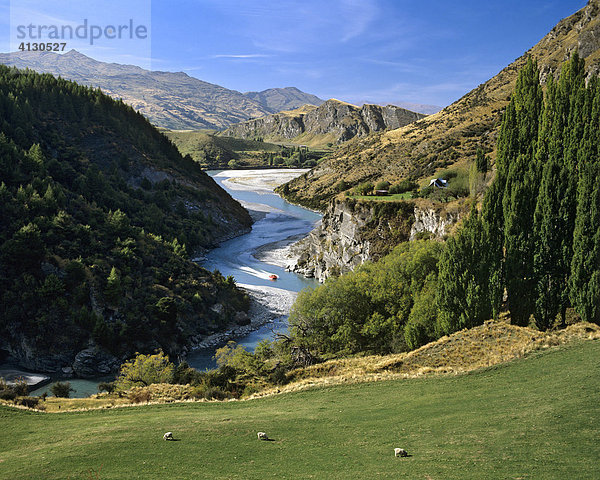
(84, 31)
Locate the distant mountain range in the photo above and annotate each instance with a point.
(278, 99)
(168, 99)
(332, 122)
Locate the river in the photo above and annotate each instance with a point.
(251, 258)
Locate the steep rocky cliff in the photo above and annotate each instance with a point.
(331, 122)
(352, 233)
(435, 222)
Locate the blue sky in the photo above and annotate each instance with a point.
(380, 51)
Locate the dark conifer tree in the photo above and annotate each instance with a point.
(463, 289)
(516, 169)
(554, 218)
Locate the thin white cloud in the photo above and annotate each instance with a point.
(357, 16)
(250, 55)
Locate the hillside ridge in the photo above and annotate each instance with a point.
(333, 122)
(173, 100)
(453, 135)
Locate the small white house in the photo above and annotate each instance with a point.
(439, 183)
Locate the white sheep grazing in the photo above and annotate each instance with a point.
(168, 436)
(262, 436)
(400, 452)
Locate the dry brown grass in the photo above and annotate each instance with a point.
(490, 344)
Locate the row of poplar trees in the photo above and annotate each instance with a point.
(537, 236)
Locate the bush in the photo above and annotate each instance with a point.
(107, 387)
(341, 186)
(382, 185)
(214, 393)
(403, 186)
(20, 387)
(144, 370)
(364, 188)
(29, 402)
(139, 395)
(61, 389)
(186, 375)
(7, 393)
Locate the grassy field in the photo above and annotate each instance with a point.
(535, 418)
(387, 198)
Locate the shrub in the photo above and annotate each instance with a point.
(403, 186)
(20, 387)
(214, 393)
(341, 186)
(29, 402)
(364, 188)
(107, 387)
(278, 375)
(139, 395)
(7, 393)
(382, 185)
(144, 370)
(61, 389)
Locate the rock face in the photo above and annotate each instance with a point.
(435, 222)
(93, 361)
(350, 234)
(29, 357)
(333, 121)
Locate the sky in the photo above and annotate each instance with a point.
(375, 51)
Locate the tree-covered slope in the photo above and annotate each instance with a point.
(453, 135)
(99, 213)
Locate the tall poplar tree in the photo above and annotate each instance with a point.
(518, 177)
(463, 294)
(584, 284)
(554, 218)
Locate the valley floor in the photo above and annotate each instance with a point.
(533, 418)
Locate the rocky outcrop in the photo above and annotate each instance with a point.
(435, 223)
(350, 234)
(333, 121)
(94, 361)
(25, 354)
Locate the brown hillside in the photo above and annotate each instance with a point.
(332, 122)
(492, 343)
(452, 135)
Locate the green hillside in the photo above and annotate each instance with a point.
(99, 214)
(215, 151)
(531, 419)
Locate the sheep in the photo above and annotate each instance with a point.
(168, 436)
(400, 452)
(262, 436)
